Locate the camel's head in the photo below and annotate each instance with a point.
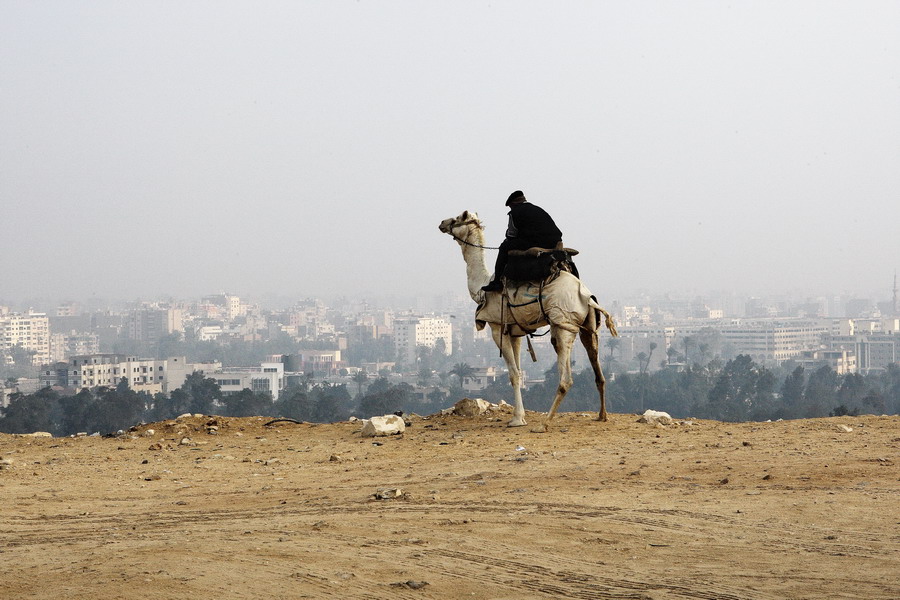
(461, 227)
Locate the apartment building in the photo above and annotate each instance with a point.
(411, 332)
(151, 324)
(320, 362)
(267, 378)
(222, 306)
(142, 374)
(30, 331)
(841, 361)
(773, 340)
(481, 377)
(64, 345)
(873, 352)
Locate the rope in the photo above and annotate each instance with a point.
(462, 241)
(477, 224)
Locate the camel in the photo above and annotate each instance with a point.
(563, 303)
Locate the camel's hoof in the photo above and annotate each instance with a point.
(517, 423)
(602, 418)
(542, 428)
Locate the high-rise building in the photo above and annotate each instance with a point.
(151, 324)
(411, 332)
(29, 332)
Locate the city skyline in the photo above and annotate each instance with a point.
(888, 297)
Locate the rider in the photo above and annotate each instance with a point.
(529, 226)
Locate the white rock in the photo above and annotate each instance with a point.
(655, 416)
(845, 428)
(468, 407)
(149, 433)
(388, 493)
(38, 434)
(386, 425)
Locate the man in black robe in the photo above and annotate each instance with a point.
(529, 226)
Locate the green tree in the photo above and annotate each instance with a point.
(27, 414)
(295, 404)
(360, 378)
(792, 391)
(691, 391)
(613, 344)
(852, 391)
(75, 413)
(386, 401)
(462, 371)
(332, 403)
(890, 385)
(687, 342)
(743, 390)
(115, 408)
(248, 404)
(203, 393)
(820, 396)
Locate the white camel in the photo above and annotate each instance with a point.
(563, 303)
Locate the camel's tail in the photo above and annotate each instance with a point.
(610, 323)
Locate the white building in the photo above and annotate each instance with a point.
(481, 377)
(268, 377)
(767, 340)
(222, 306)
(142, 374)
(411, 332)
(30, 331)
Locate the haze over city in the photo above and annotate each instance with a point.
(311, 149)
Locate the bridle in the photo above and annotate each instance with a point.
(477, 223)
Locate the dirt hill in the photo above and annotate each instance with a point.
(214, 507)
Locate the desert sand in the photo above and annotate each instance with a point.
(455, 507)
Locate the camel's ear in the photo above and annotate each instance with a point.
(464, 216)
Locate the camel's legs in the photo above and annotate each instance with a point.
(591, 343)
(510, 349)
(562, 341)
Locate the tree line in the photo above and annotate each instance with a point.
(110, 409)
(736, 390)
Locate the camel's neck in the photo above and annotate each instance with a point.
(477, 273)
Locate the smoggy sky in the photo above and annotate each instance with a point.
(312, 148)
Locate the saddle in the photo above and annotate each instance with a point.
(537, 264)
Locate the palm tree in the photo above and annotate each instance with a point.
(613, 345)
(672, 355)
(704, 353)
(463, 371)
(687, 341)
(424, 376)
(644, 359)
(359, 378)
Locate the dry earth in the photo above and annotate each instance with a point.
(799, 509)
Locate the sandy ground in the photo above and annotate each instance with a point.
(800, 509)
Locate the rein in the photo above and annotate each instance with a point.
(467, 243)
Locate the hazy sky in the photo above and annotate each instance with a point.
(312, 148)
